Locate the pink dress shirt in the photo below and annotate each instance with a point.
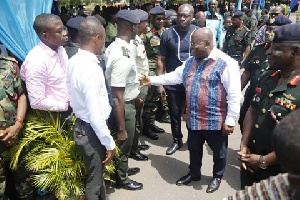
(44, 72)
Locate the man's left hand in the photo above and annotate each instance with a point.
(138, 103)
(227, 130)
(251, 161)
(10, 135)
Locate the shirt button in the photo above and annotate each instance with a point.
(270, 95)
(253, 141)
(279, 114)
(263, 110)
(256, 126)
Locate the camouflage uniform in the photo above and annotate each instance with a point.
(153, 99)
(10, 91)
(250, 22)
(236, 42)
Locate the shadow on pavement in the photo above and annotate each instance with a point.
(171, 169)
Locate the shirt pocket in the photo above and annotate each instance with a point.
(278, 112)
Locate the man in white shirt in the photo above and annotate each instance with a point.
(212, 85)
(90, 103)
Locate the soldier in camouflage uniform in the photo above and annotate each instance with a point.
(152, 42)
(250, 21)
(12, 113)
(256, 64)
(237, 39)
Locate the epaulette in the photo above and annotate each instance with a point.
(126, 52)
(294, 81)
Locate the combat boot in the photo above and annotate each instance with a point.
(147, 131)
(165, 118)
(155, 128)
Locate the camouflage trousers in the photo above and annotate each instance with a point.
(13, 184)
(153, 103)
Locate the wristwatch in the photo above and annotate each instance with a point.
(262, 163)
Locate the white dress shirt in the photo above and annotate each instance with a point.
(88, 94)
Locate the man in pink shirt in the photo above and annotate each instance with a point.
(44, 69)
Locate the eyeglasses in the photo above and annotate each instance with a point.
(274, 14)
(60, 30)
(197, 44)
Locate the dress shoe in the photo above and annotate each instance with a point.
(131, 185)
(143, 147)
(138, 156)
(185, 180)
(150, 134)
(213, 185)
(165, 119)
(133, 171)
(172, 149)
(156, 129)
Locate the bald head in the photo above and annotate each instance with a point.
(186, 7)
(202, 43)
(90, 28)
(204, 33)
(185, 16)
(200, 16)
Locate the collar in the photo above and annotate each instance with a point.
(213, 54)
(123, 43)
(88, 55)
(48, 50)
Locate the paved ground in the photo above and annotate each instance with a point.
(160, 173)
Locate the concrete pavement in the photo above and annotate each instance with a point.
(160, 172)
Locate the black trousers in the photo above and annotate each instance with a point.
(248, 178)
(175, 100)
(94, 154)
(218, 144)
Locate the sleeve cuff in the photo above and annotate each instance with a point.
(230, 121)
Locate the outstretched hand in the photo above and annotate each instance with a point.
(144, 80)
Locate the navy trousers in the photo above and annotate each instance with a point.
(175, 100)
(218, 144)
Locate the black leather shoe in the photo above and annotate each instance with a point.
(143, 147)
(133, 171)
(138, 156)
(150, 134)
(156, 129)
(185, 180)
(165, 119)
(172, 149)
(131, 185)
(213, 185)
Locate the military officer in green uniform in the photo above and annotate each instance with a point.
(152, 43)
(250, 21)
(237, 39)
(256, 64)
(13, 107)
(277, 94)
(121, 73)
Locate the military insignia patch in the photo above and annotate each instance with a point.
(271, 36)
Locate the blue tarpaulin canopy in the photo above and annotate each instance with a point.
(16, 31)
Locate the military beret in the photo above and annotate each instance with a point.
(128, 16)
(238, 14)
(141, 14)
(168, 14)
(75, 22)
(248, 10)
(157, 10)
(244, 8)
(287, 33)
(278, 21)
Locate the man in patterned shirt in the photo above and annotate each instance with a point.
(212, 85)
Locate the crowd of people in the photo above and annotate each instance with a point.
(121, 70)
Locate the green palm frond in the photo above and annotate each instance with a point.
(52, 157)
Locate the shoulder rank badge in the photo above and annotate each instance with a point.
(294, 80)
